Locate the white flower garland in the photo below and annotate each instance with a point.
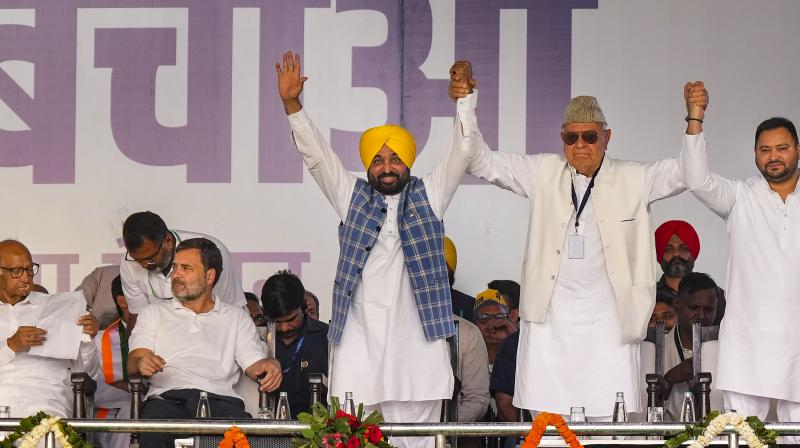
(716, 426)
(32, 438)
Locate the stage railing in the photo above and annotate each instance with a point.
(439, 430)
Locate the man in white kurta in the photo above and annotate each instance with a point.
(31, 381)
(383, 348)
(759, 337)
(589, 271)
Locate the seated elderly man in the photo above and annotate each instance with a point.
(196, 342)
(34, 373)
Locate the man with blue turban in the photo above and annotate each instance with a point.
(391, 296)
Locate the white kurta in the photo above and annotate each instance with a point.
(759, 337)
(582, 328)
(383, 354)
(29, 383)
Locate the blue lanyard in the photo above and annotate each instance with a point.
(296, 354)
(579, 209)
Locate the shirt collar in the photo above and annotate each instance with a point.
(218, 306)
(34, 298)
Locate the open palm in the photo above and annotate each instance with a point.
(290, 80)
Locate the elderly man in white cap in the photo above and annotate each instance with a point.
(588, 280)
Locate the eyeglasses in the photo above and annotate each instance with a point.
(486, 317)
(17, 272)
(570, 138)
(149, 261)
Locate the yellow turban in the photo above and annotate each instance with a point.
(488, 297)
(450, 254)
(395, 137)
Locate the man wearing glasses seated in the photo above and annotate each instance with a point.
(150, 249)
(33, 381)
(492, 318)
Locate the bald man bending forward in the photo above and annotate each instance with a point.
(391, 296)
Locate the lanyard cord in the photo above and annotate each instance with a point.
(579, 209)
(296, 354)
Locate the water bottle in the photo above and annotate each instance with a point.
(349, 404)
(203, 408)
(5, 412)
(282, 412)
(687, 408)
(619, 415)
(577, 414)
(655, 415)
(265, 413)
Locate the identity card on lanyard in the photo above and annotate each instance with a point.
(574, 239)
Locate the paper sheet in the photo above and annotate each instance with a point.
(63, 334)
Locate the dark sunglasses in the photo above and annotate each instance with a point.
(486, 317)
(570, 138)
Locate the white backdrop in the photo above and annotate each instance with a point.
(634, 55)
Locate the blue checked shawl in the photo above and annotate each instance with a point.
(422, 240)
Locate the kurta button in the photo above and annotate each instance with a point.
(367, 248)
(348, 293)
(377, 228)
(383, 210)
(558, 252)
(552, 277)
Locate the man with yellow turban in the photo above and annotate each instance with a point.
(391, 298)
(588, 280)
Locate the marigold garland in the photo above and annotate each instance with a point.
(234, 438)
(539, 426)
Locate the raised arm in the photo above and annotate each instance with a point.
(444, 179)
(716, 192)
(665, 178)
(322, 162)
(513, 172)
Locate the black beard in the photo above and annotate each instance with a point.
(677, 267)
(780, 177)
(390, 190)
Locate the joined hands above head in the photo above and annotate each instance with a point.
(461, 81)
(696, 97)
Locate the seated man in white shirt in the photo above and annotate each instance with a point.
(697, 300)
(196, 342)
(31, 383)
(150, 249)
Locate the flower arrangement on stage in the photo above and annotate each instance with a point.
(751, 429)
(540, 424)
(234, 438)
(32, 429)
(339, 429)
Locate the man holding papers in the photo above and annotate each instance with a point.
(43, 337)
